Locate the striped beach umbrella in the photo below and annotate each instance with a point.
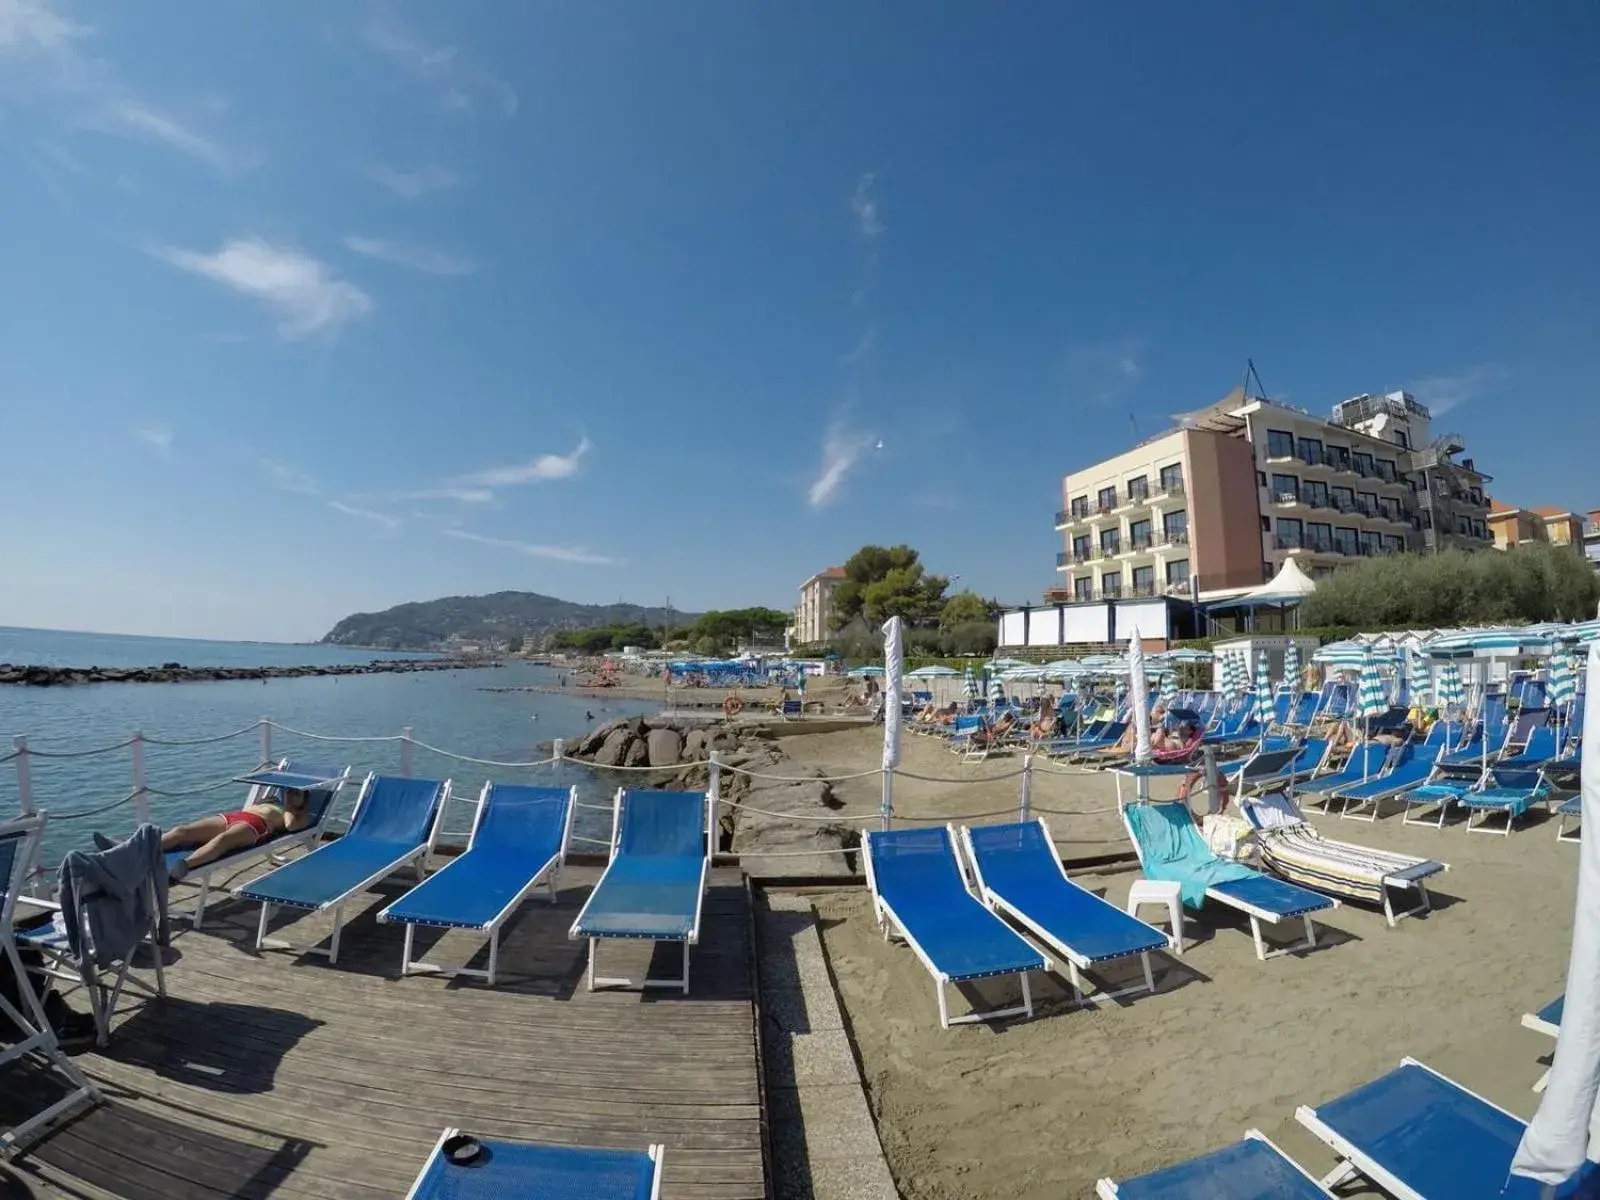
(1371, 698)
(1490, 643)
(997, 690)
(969, 685)
(1291, 667)
(1263, 709)
(1169, 689)
(1562, 686)
(1419, 677)
(1448, 688)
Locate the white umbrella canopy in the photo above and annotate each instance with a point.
(1187, 654)
(1139, 697)
(933, 672)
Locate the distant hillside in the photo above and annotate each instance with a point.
(426, 624)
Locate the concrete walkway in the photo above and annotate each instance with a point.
(824, 1141)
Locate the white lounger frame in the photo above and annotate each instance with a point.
(693, 939)
(417, 859)
(1256, 915)
(1354, 1163)
(890, 925)
(549, 873)
(657, 1153)
(1534, 1022)
(1076, 962)
(273, 851)
(1107, 1189)
(35, 1033)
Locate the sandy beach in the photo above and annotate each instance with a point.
(1044, 1108)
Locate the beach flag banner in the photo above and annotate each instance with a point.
(1263, 694)
(1291, 668)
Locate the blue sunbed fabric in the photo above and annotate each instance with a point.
(1363, 765)
(652, 887)
(317, 802)
(392, 821)
(1540, 749)
(513, 1169)
(1415, 765)
(1250, 1169)
(1441, 1140)
(1171, 848)
(1273, 895)
(1552, 1012)
(1019, 865)
(522, 829)
(916, 873)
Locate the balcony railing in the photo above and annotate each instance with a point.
(1339, 462)
(1143, 589)
(1064, 517)
(1105, 507)
(1346, 548)
(1288, 542)
(1139, 495)
(1168, 489)
(1110, 593)
(1286, 497)
(1175, 537)
(1319, 545)
(1139, 541)
(1113, 547)
(1180, 587)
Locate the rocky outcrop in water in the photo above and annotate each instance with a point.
(172, 672)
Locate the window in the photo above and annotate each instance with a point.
(1289, 535)
(1344, 499)
(1139, 535)
(1386, 469)
(1314, 493)
(1110, 541)
(1261, 479)
(1144, 581)
(1108, 499)
(1080, 547)
(1362, 462)
(1319, 537)
(1286, 489)
(1393, 544)
(1111, 583)
(1172, 478)
(1280, 443)
(1369, 542)
(1390, 507)
(1083, 588)
(1402, 439)
(1139, 489)
(1178, 574)
(1344, 539)
(1266, 524)
(1310, 450)
(1079, 507)
(1175, 526)
(1367, 502)
(1337, 456)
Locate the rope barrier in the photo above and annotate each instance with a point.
(1071, 812)
(92, 812)
(323, 737)
(832, 816)
(578, 837)
(801, 778)
(899, 774)
(1008, 810)
(221, 737)
(5, 758)
(596, 807)
(32, 753)
(483, 762)
(817, 853)
(193, 791)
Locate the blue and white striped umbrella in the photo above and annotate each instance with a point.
(1351, 654)
(1371, 698)
(997, 691)
(1223, 675)
(1169, 689)
(1448, 688)
(1291, 667)
(1263, 709)
(1490, 643)
(1562, 686)
(1419, 677)
(969, 685)
(1238, 676)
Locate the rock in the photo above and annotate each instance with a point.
(591, 742)
(614, 750)
(725, 740)
(665, 747)
(694, 744)
(638, 754)
(826, 841)
(636, 726)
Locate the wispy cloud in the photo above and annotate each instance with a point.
(426, 259)
(1441, 393)
(841, 450)
(46, 64)
(543, 469)
(571, 554)
(365, 514)
(457, 83)
(864, 204)
(413, 183)
(461, 495)
(158, 438)
(306, 294)
(863, 347)
(289, 479)
(1102, 372)
(1129, 367)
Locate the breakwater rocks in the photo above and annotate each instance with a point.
(173, 672)
(780, 819)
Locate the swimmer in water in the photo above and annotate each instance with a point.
(588, 716)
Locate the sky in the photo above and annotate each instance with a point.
(314, 309)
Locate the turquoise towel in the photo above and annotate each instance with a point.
(1173, 850)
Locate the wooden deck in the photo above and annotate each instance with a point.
(280, 1076)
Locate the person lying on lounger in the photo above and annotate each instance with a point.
(278, 811)
(988, 735)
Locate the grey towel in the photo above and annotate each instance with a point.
(111, 888)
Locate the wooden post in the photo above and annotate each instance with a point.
(24, 786)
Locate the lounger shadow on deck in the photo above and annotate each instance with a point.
(721, 959)
(536, 956)
(135, 1154)
(219, 1046)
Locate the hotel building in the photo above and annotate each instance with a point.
(1214, 507)
(815, 610)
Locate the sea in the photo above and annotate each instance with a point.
(452, 710)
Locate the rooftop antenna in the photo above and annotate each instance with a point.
(1250, 373)
(1134, 422)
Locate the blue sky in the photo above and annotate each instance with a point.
(312, 309)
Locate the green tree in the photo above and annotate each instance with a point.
(963, 608)
(970, 637)
(514, 644)
(882, 582)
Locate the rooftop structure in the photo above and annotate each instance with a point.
(813, 615)
(1512, 526)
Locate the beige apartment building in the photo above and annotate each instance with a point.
(1216, 506)
(812, 614)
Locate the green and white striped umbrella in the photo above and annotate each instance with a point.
(1419, 677)
(1448, 688)
(1222, 674)
(1169, 689)
(1371, 698)
(1562, 686)
(1263, 710)
(1291, 667)
(969, 685)
(997, 691)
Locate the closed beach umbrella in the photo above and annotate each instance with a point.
(969, 685)
(1448, 688)
(1169, 689)
(1421, 678)
(1238, 676)
(997, 690)
(1140, 697)
(1263, 695)
(1291, 668)
(1562, 686)
(1371, 701)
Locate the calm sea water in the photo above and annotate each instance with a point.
(447, 709)
(62, 648)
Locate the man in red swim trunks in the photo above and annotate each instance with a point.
(212, 837)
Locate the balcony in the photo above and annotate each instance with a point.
(1140, 542)
(1286, 497)
(1142, 590)
(1338, 462)
(1139, 495)
(1348, 549)
(1169, 491)
(1320, 545)
(1175, 537)
(1109, 594)
(1110, 549)
(1290, 542)
(1316, 500)
(1180, 587)
(1104, 508)
(1064, 517)
(1062, 559)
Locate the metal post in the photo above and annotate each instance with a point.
(141, 800)
(405, 752)
(714, 788)
(1027, 786)
(886, 812)
(24, 789)
(266, 740)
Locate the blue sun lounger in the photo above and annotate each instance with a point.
(1548, 1022)
(503, 1169)
(652, 888)
(1250, 1169)
(392, 827)
(1366, 763)
(319, 807)
(1413, 767)
(1572, 806)
(1421, 1136)
(1170, 847)
(1019, 875)
(519, 838)
(919, 891)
